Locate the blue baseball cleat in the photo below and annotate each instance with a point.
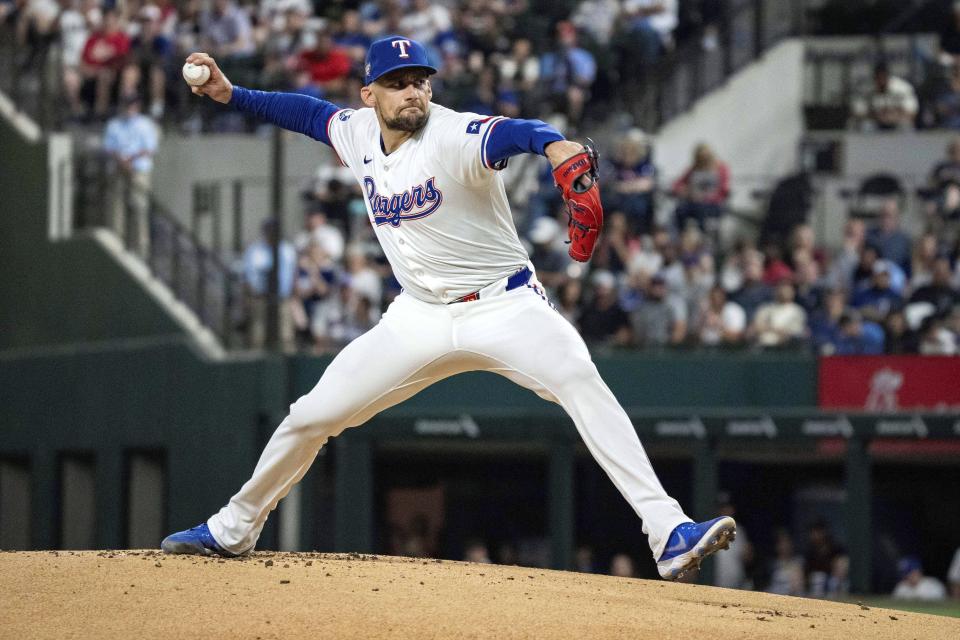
(691, 542)
(197, 541)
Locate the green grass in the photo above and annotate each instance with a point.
(950, 608)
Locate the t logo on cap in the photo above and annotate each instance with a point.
(391, 53)
(402, 44)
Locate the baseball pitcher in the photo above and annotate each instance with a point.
(470, 300)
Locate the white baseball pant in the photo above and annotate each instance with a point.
(516, 334)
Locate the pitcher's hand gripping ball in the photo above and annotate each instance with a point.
(196, 74)
(576, 178)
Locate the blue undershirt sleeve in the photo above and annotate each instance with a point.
(291, 111)
(509, 137)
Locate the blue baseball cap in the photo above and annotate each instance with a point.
(394, 52)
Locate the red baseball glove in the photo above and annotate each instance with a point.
(576, 178)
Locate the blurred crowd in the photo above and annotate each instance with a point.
(512, 57)
(660, 277)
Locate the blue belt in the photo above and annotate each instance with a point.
(518, 279)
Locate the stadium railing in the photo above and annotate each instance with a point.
(194, 273)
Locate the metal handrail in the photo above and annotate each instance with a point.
(683, 76)
(195, 274)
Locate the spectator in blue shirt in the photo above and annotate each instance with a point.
(130, 141)
(257, 266)
(879, 299)
(862, 276)
(568, 73)
(858, 336)
(891, 241)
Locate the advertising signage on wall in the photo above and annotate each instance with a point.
(889, 383)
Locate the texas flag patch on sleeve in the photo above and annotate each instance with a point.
(474, 125)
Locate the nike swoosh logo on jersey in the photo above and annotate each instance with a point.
(367, 160)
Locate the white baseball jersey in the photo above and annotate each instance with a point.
(437, 204)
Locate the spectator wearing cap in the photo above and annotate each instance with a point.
(879, 299)
(660, 319)
(568, 73)
(722, 321)
(130, 141)
(858, 336)
(632, 177)
(702, 190)
(780, 322)
(914, 585)
(549, 262)
(603, 320)
(869, 259)
(893, 243)
(890, 103)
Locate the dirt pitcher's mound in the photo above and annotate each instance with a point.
(143, 594)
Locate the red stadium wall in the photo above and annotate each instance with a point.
(889, 383)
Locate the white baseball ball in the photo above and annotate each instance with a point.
(196, 74)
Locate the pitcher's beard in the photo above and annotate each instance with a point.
(405, 121)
